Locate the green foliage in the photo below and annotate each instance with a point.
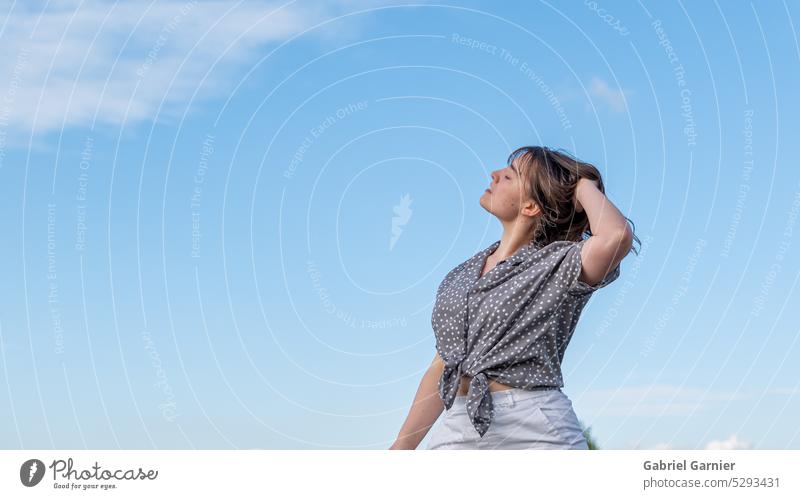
(587, 433)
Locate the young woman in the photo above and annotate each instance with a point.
(504, 317)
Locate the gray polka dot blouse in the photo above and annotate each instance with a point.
(513, 324)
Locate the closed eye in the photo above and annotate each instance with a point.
(509, 178)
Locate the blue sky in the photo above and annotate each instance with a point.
(225, 222)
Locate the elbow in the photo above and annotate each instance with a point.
(619, 242)
(624, 240)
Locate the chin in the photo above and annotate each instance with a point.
(486, 204)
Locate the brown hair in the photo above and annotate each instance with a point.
(551, 177)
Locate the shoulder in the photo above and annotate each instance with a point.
(567, 259)
(473, 259)
(556, 251)
(456, 271)
(583, 283)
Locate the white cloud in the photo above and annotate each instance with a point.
(77, 61)
(655, 400)
(731, 443)
(637, 444)
(613, 98)
(663, 446)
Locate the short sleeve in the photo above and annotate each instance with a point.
(573, 264)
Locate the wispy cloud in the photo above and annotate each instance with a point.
(612, 97)
(731, 443)
(596, 93)
(663, 446)
(656, 400)
(76, 63)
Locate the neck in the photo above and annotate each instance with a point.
(514, 237)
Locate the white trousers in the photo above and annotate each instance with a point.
(523, 419)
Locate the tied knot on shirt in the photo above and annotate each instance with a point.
(479, 400)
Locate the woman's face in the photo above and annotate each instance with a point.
(507, 195)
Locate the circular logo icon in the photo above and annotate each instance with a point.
(31, 472)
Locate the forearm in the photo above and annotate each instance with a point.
(424, 412)
(605, 220)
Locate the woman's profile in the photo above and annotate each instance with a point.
(504, 317)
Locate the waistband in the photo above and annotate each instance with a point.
(515, 394)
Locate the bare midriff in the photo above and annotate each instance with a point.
(494, 386)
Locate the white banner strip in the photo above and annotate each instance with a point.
(401, 474)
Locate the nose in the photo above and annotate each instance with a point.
(495, 175)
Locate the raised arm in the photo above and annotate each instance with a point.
(611, 238)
